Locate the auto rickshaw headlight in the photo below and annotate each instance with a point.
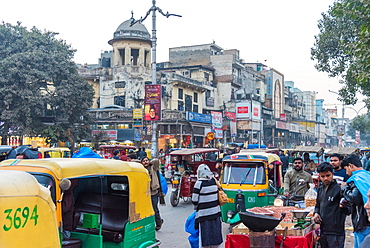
(230, 214)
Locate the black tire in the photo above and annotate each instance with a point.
(174, 198)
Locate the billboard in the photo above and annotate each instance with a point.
(196, 117)
(246, 110)
(137, 116)
(152, 102)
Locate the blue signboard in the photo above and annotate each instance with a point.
(196, 117)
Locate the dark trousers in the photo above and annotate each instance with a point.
(331, 241)
(158, 219)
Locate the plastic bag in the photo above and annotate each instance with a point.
(194, 233)
(310, 196)
(164, 185)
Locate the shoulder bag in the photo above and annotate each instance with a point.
(222, 197)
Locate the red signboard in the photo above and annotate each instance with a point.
(152, 102)
(243, 110)
(231, 116)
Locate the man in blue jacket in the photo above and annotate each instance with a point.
(327, 212)
(355, 193)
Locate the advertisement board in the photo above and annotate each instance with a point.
(152, 102)
(137, 116)
(196, 117)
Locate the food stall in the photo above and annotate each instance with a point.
(274, 226)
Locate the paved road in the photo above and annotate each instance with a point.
(173, 232)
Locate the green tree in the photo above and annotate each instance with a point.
(41, 92)
(342, 48)
(361, 123)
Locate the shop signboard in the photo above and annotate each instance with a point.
(196, 117)
(233, 129)
(230, 115)
(111, 134)
(216, 120)
(218, 133)
(137, 116)
(152, 102)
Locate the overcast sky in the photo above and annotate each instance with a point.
(279, 34)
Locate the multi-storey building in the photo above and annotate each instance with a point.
(251, 102)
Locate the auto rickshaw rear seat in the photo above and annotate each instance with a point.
(114, 214)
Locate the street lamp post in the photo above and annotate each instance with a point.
(357, 111)
(153, 10)
(343, 125)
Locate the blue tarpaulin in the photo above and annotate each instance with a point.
(85, 152)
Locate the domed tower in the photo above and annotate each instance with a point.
(131, 45)
(131, 63)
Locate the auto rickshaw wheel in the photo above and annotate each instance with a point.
(174, 198)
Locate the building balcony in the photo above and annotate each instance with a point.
(176, 78)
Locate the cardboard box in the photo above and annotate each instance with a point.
(293, 232)
(240, 229)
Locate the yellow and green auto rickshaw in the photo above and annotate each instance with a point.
(55, 152)
(27, 212)
(250, 179)
(107, 202)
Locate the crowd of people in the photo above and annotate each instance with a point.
(344, 190)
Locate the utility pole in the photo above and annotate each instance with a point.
(153, 10)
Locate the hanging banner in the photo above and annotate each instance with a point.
(230, 115)
(233, 129)
(216, 120)
(152, 102)
(137, 116)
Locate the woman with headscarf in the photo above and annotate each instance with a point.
(155, 187)
(208, 214)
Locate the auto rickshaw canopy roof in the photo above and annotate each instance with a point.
(193, 151)
(20, 192)
(70, 168)
(19, 183)
(343, 150)
(79, 167)
(256, 155)
(316, 149)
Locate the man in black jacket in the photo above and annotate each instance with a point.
(328, 214)
(354, 192)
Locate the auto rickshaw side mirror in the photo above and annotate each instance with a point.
(64, 185)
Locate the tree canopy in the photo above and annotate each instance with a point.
(342, 48)
(41, 92)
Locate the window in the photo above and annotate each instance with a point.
(146, 59)
(195, 108)
(188, 103)
(208, 93)
(244, 173)
(122, 56)
(195, 97)
(119, 100)
(206, 76)
(123, 126)
(135, 57)
(180, 105)
(181, 94)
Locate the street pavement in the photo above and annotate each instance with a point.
(172, 233)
